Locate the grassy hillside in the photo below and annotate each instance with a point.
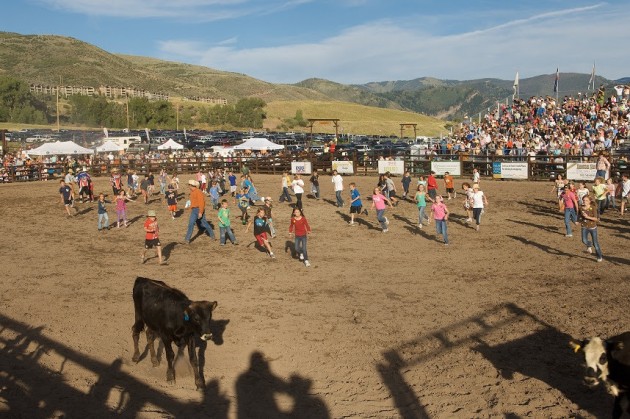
(194, 80)
(354, 118)
(345, 93)
(51, 60)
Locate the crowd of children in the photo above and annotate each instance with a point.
(580, 205)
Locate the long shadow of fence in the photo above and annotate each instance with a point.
(543, 354)
(30, 389)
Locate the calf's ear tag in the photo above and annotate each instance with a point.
(186, 317)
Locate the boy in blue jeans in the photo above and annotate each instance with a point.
(224, 224)
(214, 194)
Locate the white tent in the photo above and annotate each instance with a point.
(60, 148)
(108, 146)
(258, 144)
(223, 151)
(171, 145)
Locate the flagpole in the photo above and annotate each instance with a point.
(556, 85)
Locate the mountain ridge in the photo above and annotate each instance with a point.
(53, 60)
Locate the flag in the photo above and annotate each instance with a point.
(515, 86)
(591, 81)
(555, 83)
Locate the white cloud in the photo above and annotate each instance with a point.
(192, 10)
(570, 39)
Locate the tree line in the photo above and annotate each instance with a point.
(19, 105)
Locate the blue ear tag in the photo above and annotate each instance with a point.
(186, 318)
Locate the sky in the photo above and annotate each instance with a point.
(348, 41)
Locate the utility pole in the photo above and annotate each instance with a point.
(59, 87)
(177, 117)
(127, 113)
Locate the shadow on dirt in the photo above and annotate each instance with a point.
(257, 388)
(542, 354)
(114, 392)
(44, 392)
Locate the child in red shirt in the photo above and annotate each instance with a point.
(151, 237)
(300, 227)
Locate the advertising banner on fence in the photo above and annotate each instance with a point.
(509, 170)
(581, 171)
(343, 167)
(452, 167)
(395, 167)
(301, 167)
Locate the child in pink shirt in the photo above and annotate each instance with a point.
(121, 208)
(380, 202)
(439, 212)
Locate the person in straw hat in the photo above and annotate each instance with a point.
(116, 181)
(152, 237)
(197, 212)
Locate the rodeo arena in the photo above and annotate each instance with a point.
(483, 273)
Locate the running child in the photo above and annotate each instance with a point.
(121, 208)
(589, 217)
(171, 200)
(449, 184)
(405, 182)
(380, 202)
(286, 182)
(439, 212)
(232, 180)
(261, 228)
(468, 192)
(103, 218)
(144, 189)
(612, 191)
(214, 194)
(356, 206)
(67, 196)
(581, 192)
(224, 224)
(268, 207)
(300, 227)
(421, 202)
(243, 204)
(152, 237)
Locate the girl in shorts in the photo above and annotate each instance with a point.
(261, 228)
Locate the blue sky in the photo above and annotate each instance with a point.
(347, 41)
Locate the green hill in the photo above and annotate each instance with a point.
(51, 60)
(346, 93)
(454, 99)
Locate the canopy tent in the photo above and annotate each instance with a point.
(256, 144)
(60, 148)
(222, 151)
(108, 146)
(171, 145)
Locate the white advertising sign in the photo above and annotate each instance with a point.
(513, 170)
(454, 168)
(581, 171)
(395, 167)
(301, 167)
(343, 167)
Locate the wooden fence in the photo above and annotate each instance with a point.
(538, 168)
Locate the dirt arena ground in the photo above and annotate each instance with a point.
(381, 326)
